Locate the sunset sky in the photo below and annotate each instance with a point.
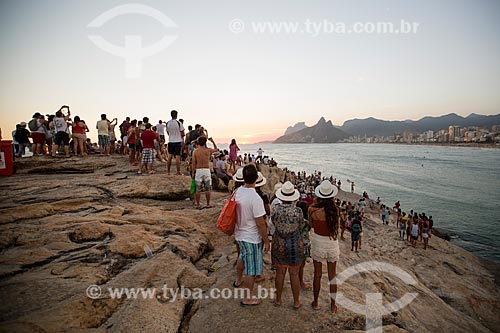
(250, 85)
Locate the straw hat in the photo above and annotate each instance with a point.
(287, 192)
(238, 176)
(326, 190)
(261, 180)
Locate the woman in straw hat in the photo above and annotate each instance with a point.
(287, 249)
(324, 221)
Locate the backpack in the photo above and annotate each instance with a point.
(356, 227)
(33, 125)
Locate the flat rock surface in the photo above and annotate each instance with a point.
(65, 231)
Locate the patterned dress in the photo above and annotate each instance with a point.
(288, 245)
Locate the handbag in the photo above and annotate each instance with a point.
(227, 218)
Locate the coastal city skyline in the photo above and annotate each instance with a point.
(246, 75)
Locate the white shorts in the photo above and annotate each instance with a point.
(125, 139)
(324, 249)
(203, 179)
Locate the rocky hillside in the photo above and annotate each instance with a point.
(68, 224)
(322, 132)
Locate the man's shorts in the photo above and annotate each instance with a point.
(61, 139)
(103, 141)
(203, 179)
(162, 138)
(131, 146)
(124, 140)
(251, 254)
(38, 138)
(148, 155)
(174, 148)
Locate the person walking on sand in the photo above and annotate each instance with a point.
(323, 217)
(175, 131)
(287, 248)
(251, 234)
(200, 170)
(148, 141)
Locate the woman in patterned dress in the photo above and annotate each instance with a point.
(287, 248)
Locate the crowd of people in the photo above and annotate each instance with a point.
(304, 219)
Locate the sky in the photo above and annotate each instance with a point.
(245, 83)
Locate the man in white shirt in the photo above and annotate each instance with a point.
(160, 129)
(103, 126)
(251, 234)
(175, 132)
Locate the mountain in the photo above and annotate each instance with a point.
(295, 128)
(376, 127)
(322, 132)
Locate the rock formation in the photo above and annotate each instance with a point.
(62, 231)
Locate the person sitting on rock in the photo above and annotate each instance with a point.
(222, 170)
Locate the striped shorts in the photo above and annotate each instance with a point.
(148, 155)
(251, 254)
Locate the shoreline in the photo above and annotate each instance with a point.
(462, 145)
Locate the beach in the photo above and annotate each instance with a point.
(67, 224)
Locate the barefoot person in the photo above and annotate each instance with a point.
(251, 234)
(323, 217)
(175, 132)
(287, 247)
(200, 166)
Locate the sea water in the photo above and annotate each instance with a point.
(458, 186)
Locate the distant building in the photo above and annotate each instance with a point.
(454, 133)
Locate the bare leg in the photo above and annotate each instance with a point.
(197, 197)
(169, 163)
(249, 282)
(332, 272)
(207, 196)
(240, 267)
(66, 150)
(178, 164)
(293, 272)
(318, 271)
(279, 281)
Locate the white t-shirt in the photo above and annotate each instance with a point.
(60, 124)
(39, 126)
(160, 129)
(102, 127)
(174, 129)
(249, 207)
(259, 152)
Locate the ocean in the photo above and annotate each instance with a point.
(458, 186)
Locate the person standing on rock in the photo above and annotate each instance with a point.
(323, 217)
(200, 170)
(288, 246)
(103, 127)
(352, 187)
(175, 132)
(148, 141)
(251, 234)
